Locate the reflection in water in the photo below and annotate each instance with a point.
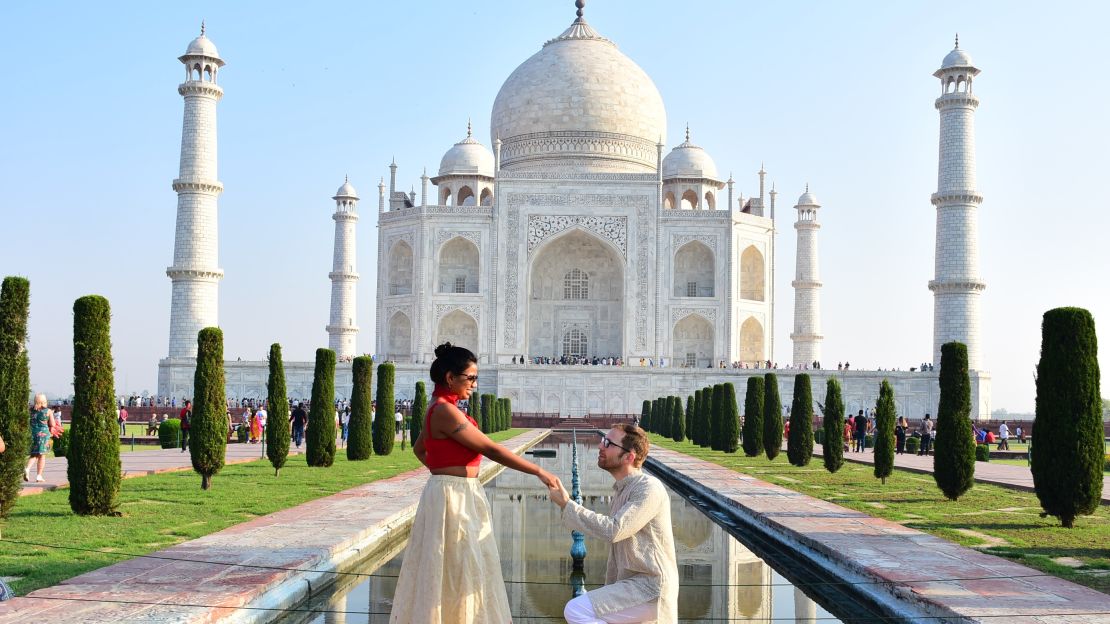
(721, 579)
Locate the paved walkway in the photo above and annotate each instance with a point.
(888, 558)
(1006, 475)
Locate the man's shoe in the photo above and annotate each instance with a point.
(39, 479)
(26, 474)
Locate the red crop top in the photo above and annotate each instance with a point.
(446, 452)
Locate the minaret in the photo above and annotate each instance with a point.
(807, 284)
(342, 330)
(957, 285)
(195, 274)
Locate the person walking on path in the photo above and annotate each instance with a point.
(42, 423)
(641, 577)
(451, 572)
(861, 432)
(184, 416)
(1003, 437)
(256, 428)
(344, 423)
(926, 431)
(298, 419)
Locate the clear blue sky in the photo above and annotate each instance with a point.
(839, 95)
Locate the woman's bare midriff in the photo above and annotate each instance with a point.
(456, 471)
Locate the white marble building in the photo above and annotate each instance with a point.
(579, 234)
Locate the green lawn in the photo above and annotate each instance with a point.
(166, 509)
(993, 519)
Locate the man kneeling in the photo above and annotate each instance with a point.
(641, 579)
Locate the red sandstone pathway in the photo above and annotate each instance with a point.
(143, 463)
(1016, 477)
(893, 561)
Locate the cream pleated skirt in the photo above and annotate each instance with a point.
(451, 572)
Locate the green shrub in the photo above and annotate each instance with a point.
(474, 407)
(487, 412)
(716, 411)
(982, 452)
(15, 388)
(869, 440)
(885, 415)
(61, 444)
(913, 444)
(678, 420)
(208, 425)
(320, 435)
(92, 459)
(242, 434)
(507, 415)
(832, 430)
(277, 417)
(645, 415)
(819, 436)
(753, 417)
(419, 409)
(688, 418)
(953, 440)
(799, 443)
(730, 424)
(705, 416)
(1068, 458)
(169, 433)
(772, 416)
(384, 425)
(360, 437)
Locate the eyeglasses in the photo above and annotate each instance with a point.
(470, 378)
(606, 443)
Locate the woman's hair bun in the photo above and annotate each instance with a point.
(443, 349)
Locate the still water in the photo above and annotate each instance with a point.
(722, 580)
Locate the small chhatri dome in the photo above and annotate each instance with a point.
(808, 199)
(346, 191)
(467, 157)
(957, 58)
(689, 161)
(202, 46)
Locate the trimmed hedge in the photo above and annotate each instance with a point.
(753, 417)
(772, 416)
(360, 438)
(913, 444)
(169, 433)
(982, 452)
(1068, 458)
(15, 388)
(384, 426)
(320, 435)
(833, 427)
(954, 442)
(799, 443)
(92, 459)
(277, 420)
(208, 425)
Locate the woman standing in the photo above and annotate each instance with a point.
(42, 421)
(451, 571)
(256, 427)
(900, 435)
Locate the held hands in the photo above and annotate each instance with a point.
(547, 478)
(558, 494)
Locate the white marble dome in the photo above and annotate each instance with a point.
(808, 199)
(689, 161)
(956, 58)
(202, 46)
(467, 157)
(579, 98)
(347, 190)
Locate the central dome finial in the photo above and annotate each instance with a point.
(580, 4)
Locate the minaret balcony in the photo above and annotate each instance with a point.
(342, 329)
(957, 286)
(343, 275)
(806, 284)
(200, 87)
(966, 196)
(957, 99)
(198, 185)
(200, 275)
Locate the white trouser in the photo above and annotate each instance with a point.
(580, 611)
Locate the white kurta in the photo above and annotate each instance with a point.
(642, 564)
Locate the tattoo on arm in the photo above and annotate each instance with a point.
(459, 428)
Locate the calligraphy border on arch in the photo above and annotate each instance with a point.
(442, 236)
(542, 227)
(473, 309)
(679, 313)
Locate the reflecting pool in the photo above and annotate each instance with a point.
(722, 580)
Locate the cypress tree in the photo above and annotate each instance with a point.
(832, 451)
(320, 436)
(705, 417)
(730, 426)
(384, 425)
(688, 418)
(885, 415)
(645, 415)
(656, 415)
(694, 432)
(474, 407)
(277, 425)
(753, 417)
(487, 412)
(360, 435)
(799, 444)
(678, 420)
(772, 416)
(208, 426)
(419, 408)
(716, 415)
(507, 421)
(1068, 457)
(666, 423)
(495, 415)
(953, 440)
(15, 388)
(93, 465)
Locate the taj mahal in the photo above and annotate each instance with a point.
(589, 262)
